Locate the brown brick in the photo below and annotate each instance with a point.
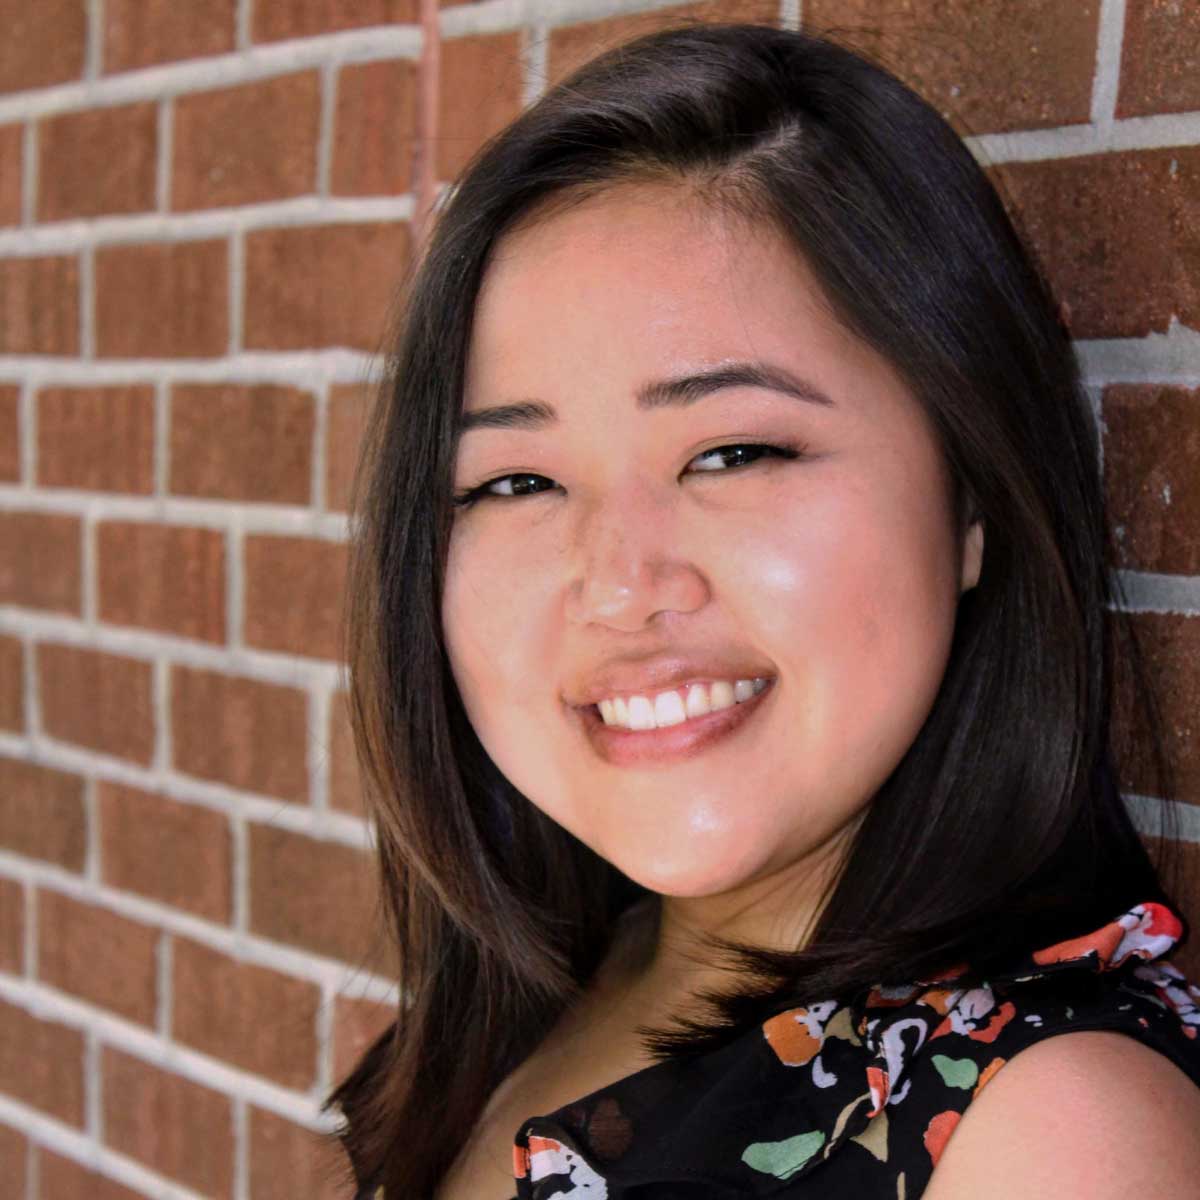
(99, 438)
(139, 33)
(289, 1160)
(258, 1019)
(480, 92)
(282, 19)
(345, 786)
(10, 434)
(249, 442)
(322, 285)
(573, 45)
(242, 732)
(228, 147)
(12, 684)
(41, 1063)
(1158, 58)
(168, 1122)
(39, 304)
(332, 914)
(43, 43)
(98, 700)
(12, 926)
(41, 813)
(356, 1025)
(374, 128)
(1151, 448)
(294, 594)
(13, 1151)
(165, 577)
(41, 564)
(74, 937)
(1119, 236)
(344, 428)
(65, 1179)
(176, 853)
(1171, 648)
(97, 161)
(162, 300)
(11, 173)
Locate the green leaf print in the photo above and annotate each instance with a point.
(782, 1159)
(956, 1072)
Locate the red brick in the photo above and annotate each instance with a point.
(249, 442)
(41, 813)
(344, 427)
(294, 594)
(39, 304)
(170, 1123)
(289, 1160)
(1151, 447)
(41, 563)
(41, 1064)
(12, 926)
(322, 285)
(162, 300)
(100, 439)
(332, 914)
(228, 147)
(139, 33)
(480, 92)
(73, 937)
(345, 786)
(176, 853)
(12, 684)
(98, 700)
(10, 434)
(242, 732)
(1119, 235)
(43, 43)
(356, 1025)
(572, 45)
(11, 173)
(97, 161)
(282, 19)
(164, 577)
(1170, 645)
(374, 128)
(64, 1179)
(13, 1151)
(1158, 58)
(260, 1020)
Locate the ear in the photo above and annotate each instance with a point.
(972, 555)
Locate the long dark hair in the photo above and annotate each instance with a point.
(1002, 829)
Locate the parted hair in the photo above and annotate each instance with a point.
(1001, 829)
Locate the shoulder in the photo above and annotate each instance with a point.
(1093, 1114)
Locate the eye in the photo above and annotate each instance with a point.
(744, 454)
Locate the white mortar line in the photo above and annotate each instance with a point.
(321, 404)
(1147, 592)
(164, 961)
(241, 1151)
(92, 1099)
(161, 704)
(242, 39)
(319, 749)
(166, 154)
(240, 874)
(235, 583)
(66, 237)
(1148, 815)
(1171, 357)
(29, 173)
(27, 449)
(789, 14)
(535, 54)
(87, 302)
(1108, 61)
(237, 291)
(216, 71)
(30, 930)
(325, 1015)
(341, 978)
(89, 568)
(325, 130)
(94, 55)
(91, 817)
(162, 444)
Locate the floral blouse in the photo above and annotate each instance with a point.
(858, 1101)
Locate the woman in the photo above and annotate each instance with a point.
(733, 662)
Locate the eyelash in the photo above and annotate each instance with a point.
(786, 451)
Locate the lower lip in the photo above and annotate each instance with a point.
(650, 747)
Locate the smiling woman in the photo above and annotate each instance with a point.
(733, 664)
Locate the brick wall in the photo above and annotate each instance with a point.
(203, 210)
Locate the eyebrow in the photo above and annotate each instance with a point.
(664, 393)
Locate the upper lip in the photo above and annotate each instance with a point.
(660, 674)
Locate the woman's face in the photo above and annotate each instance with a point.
(639, 560)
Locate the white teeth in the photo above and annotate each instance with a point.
(670, 708)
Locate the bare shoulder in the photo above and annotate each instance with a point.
(1093, 1114)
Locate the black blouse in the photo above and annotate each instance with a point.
(835, 1100)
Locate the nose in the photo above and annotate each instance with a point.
(631, 564)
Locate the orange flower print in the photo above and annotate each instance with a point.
(938, 1132)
